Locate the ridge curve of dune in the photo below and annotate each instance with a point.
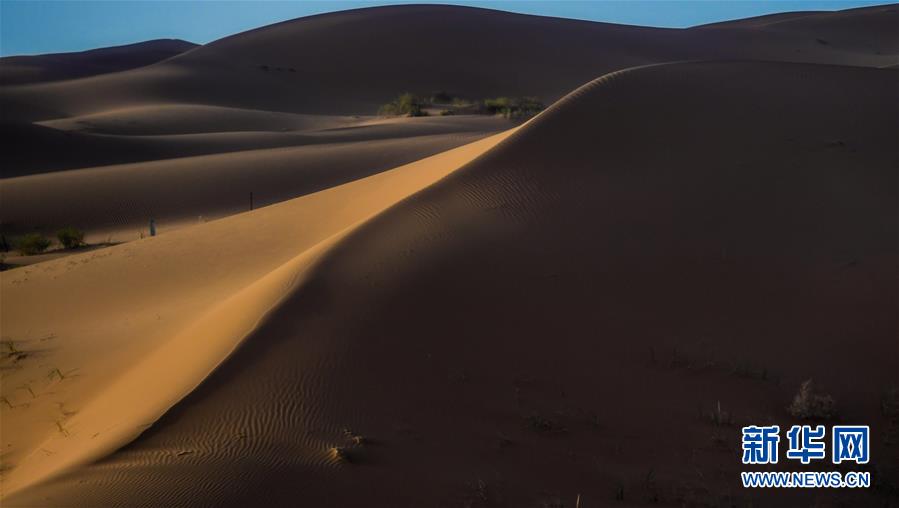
(353, 61)
(21, 70)
(179, 323)
(531, 327)
(284, 110)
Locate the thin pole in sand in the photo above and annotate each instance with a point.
(251, 200)
(152, 227)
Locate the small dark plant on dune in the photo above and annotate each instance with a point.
(513, 107)
(70, 237)
(809, 404)
(32, 243)
(406, 104)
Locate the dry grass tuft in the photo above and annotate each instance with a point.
(808, 404)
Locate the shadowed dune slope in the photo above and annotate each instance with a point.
(594, 306)
(350, 62)
(19, 70)
(119, 200)
(168, 131)
(866, 30)
(763, 20)
(132, 328)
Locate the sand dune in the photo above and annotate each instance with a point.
(171, 315)
(36, 149)
(422, 312)
(354, 61)
(254, 91)
(20, 70)
(865, 30)
(162, 119)
(515, 333)
(115, 203)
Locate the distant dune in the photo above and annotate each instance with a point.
(81, 143)
(459, 310)
(21, 70)
(118, 201)
(291, 84)
(350, 62)
(866, 30)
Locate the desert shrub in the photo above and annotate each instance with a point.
(32, 243)
(406, 104)
(528, 106)
(811, 405)
(513, 107)
(70, 237)
(498, 106)
(719, 417)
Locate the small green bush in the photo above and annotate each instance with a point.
(406, 104)
(70, 237)
(32, 243)
(513, 107)
(497, 106)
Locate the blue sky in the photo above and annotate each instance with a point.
(37, 26)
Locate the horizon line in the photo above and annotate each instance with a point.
(18, 29)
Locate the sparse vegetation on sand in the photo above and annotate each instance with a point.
(405, 104)
(32, 243)
(408, 104)
(809, 404)
(719, 417)
(513, 107)
(70, 237)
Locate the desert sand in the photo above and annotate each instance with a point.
(20, 70)
(115, 202)
(456, 311)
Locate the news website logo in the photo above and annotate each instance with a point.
(806, 444)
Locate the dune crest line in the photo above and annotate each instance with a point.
(92, 433)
